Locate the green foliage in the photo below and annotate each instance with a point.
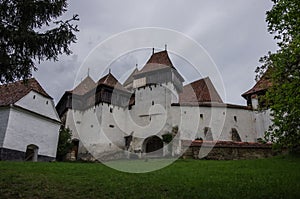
(276, 177)
(167, 138)
(262, 141)
(283, 68)
(26, 36)
(64, 143)
(283, 20)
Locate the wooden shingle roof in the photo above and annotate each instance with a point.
(130, 78)
(13, 92)
(85, 86)
(111, 81)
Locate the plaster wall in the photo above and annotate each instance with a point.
(192, 121)
(25, 128)
(103, 127)
(262, 121)
(37, 103)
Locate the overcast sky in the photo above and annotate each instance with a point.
(233, 32)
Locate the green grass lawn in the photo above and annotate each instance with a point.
(277, 177)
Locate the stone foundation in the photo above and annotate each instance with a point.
(14, 155)
(227, 150)
(9, 154)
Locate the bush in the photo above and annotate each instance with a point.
(64, 143)
(167, 138)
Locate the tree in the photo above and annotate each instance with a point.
(26, 36)
(283, 97)
(64, 143)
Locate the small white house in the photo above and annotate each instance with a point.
(29, 123)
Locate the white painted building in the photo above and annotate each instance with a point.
(29, 123)
(106, 117)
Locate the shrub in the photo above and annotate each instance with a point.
(64, 143)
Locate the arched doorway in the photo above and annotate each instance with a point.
(31, 153)
(153, 146)
(74, 151)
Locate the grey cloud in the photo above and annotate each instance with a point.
(232, 31)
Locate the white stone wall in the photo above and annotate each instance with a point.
(4, 116)
(37, 103)
(102, 128)
(25, 128)
(73, 120)
(151, 114)
(262, 121)
(219, 119)
(99, 129)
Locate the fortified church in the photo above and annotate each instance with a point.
(107, 118)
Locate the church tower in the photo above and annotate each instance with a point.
(156, 86)
(158, 71)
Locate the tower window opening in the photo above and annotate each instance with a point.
(235, 118)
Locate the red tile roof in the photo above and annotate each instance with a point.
(157, 61)
(263, 84)
(111, 81)
(199, 91)
(161, 57)
(85, 86)
(13, 92)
